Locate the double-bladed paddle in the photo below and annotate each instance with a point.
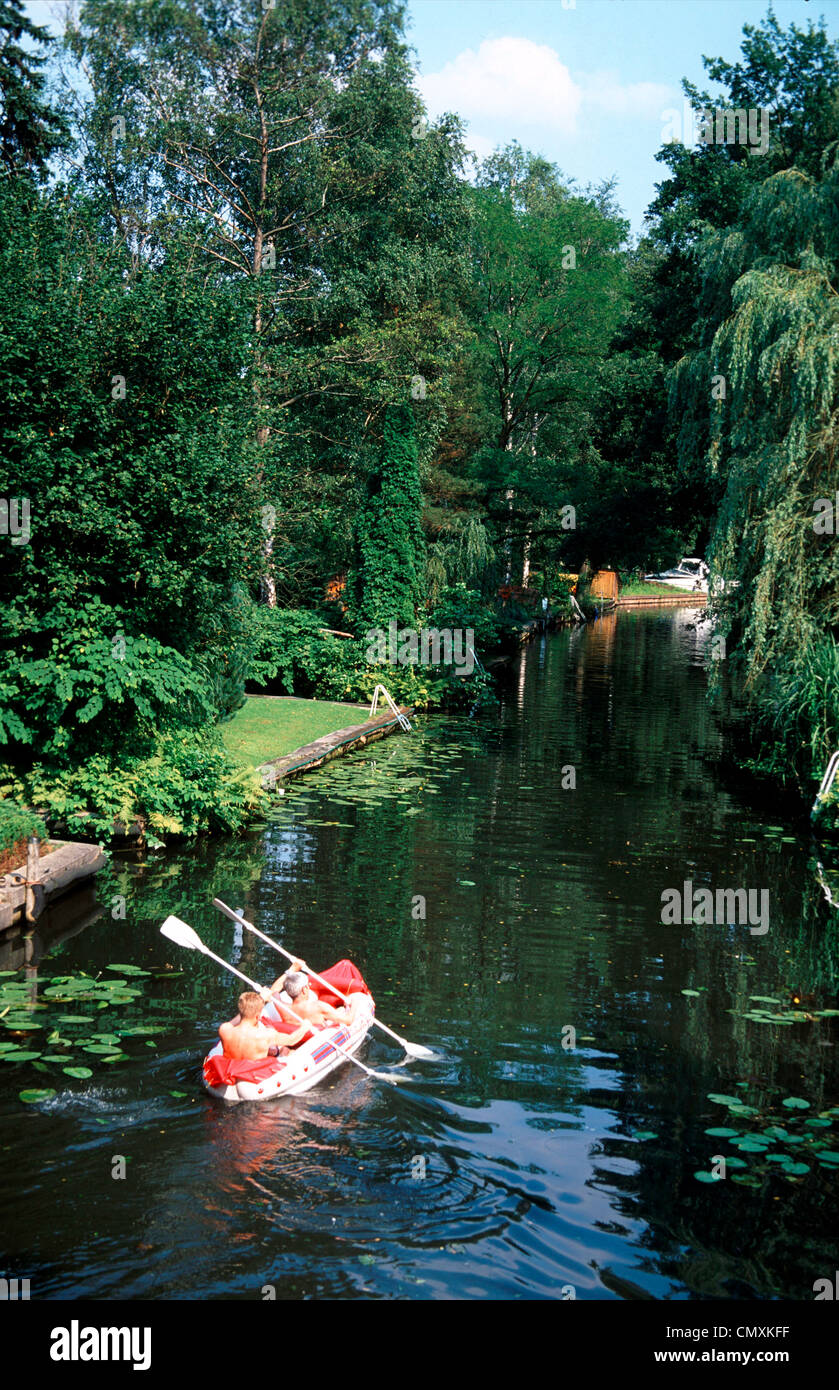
(184, 935)
(412, 1049)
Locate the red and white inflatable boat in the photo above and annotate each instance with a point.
(308, 1063)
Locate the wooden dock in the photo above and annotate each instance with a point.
(26, 892)
(675, 599)
(334, 745)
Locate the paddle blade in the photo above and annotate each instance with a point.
(417, 1050)
(182, 934)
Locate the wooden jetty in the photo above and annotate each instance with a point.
(29, 890)
(323, 750)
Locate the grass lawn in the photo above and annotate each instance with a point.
(641, 586)
(267, 727)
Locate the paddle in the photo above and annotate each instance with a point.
(184, 935)
(412, 1049)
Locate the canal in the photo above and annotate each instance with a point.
(500, 883)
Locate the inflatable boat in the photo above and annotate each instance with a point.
(320, 1052)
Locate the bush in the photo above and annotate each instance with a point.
(82, 683)
(189, 784)
(18, 823)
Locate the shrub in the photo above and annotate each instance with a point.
(18, 823)
(189, 784)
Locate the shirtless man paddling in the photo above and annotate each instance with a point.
(245, 1038)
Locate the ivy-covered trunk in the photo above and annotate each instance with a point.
(390, 549)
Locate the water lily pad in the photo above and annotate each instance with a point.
(33, 1097)
(764, 999)
(798, 1170)
(706, 1177)
(20, 1057)
(641, 1134)
(733, 1162)
(796, 1103)
(746, 1180)
(723, 1100)
(128, 969)
(818, 1123)
(98, 1047)
(776, 1132)
(81, 1072)
(74, 1018)
(722, 1133)
(58, 1057)
(693, 993)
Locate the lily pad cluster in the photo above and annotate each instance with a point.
(791, 1143)
(56, 1022)
(779, 1013)
(371, 780)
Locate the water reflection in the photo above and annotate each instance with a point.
(513, 1165)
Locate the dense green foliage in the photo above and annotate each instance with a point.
(389, 571)
(756, 391)
(18, 823)
(272, 366)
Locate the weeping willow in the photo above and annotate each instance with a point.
(759, 397)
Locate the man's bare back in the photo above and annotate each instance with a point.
(247, 1039)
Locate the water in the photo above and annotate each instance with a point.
(492, 910)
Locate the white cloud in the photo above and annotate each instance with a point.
(515, 79)
(506, 78)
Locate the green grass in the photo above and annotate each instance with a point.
(266, 728)
(641, 586)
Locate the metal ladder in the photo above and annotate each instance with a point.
(402, 719)
(827, 782)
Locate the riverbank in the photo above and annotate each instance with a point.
(262, 730)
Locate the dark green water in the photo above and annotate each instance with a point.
(507, 1167)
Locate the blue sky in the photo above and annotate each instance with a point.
(583, 82)
(584, 85)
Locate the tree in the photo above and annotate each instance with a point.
(547, 294)
(293, 139)
(390, 568)
(30, 130)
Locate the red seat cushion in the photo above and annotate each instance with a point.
(344, 976)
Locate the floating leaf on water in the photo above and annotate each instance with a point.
(733, 1162)
(74, 1018)
(20, 1057)
(82, 1073)
(32, 1097)
(763, 999)
(116, 1057)
(818, 1123)
(796, 1103)
(723, 1133)
(466, 883)
(798, 1169)
(97, 1047)
(746, 1180)
(641, 1134)
(830, 1156)
(127, 970)
(776, 1132)
(694, 993)
(723, 1100)
(58, 1057)
(706, 1177)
